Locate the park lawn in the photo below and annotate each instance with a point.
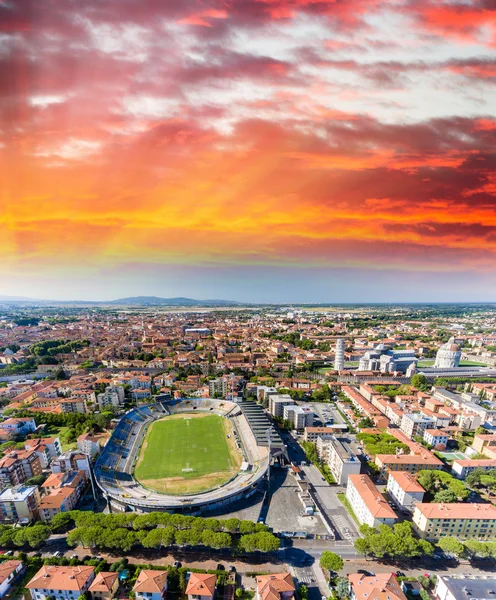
(187, 453)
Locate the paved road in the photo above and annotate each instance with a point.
(326, 494)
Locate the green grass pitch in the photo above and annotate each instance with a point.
(177, 443)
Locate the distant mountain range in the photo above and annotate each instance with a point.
(156, 301)
(131, 301)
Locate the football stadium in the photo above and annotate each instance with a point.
(190, 455)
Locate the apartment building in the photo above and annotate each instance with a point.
(51, 444)
(404, 490)
(73, 405)
(112, 397)
(299, 416)
(19, 426)
(434, 437)
(201, 586)
(72, 460)
(277, 402)
(413, 424)
(341, 459)
(150, 585)
(89, 444)
(277, 586)
(219, 387)
(61, 583)
(368, 504)
(483, 441)
(312, 433)
(462, 586)
(412, 463)
(10, 571)
(461, 468)
(19, 502)
(17, 466)
(433, 521)
(65, 490)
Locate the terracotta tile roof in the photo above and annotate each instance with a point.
(61, 578)
(103, 582)
(382, 586)
(150, 581)
(7, 568)
(270, 587)
(201, 584)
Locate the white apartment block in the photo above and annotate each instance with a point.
(299, 416)
(404, 490)
(413, 424)
(368, 503)
(342, 461)
(277, 402)
(433, 437)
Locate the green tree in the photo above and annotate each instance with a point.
(342, 588)
(451, 546)
(331, 561)
(419, 381)
(445, 496)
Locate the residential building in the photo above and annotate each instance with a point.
(19, 426)
(10, 570)
(61, 583)
(433, 521)
(381, 586)
(218, 388)
(73, 405)
(325, 433)
(72, 460)
(404, 490)
(277, 402)
(201, 586)
(104, 586)
(463, 586)
(461, 468)
(51, 444)
(112, 397)
(412, 463)
(368, 504)
(65, 491)
(299, 416)
(89, 444)
(340, 457)
(19, 502)
(434, 437)
(413, 424)
(277, 586)
(150, 585)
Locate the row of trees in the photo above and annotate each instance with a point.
(394, 542)
(33, 536)
(469, 548)
(160, 530)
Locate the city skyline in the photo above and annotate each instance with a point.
(257, 151)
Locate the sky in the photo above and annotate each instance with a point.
(251, 150)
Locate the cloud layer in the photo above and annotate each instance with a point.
(248, 134)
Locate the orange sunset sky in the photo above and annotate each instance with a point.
(258, 150)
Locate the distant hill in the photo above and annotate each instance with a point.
(156, 301)
(131, 301)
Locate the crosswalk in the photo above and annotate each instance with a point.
(305, 576)
(342, 526)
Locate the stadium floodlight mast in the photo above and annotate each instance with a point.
(269, 433)
(90, 473)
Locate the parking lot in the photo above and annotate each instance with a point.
(286, 510)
